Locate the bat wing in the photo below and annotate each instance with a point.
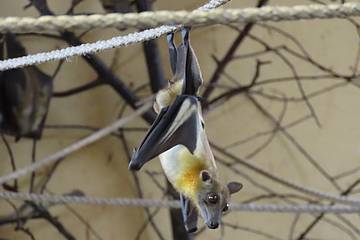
(192, 73)
(176, 124)
(172, 51)
(193, 78)
(186, 65)
(1, 104)
(189, 213)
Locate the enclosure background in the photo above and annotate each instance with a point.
(101, 169)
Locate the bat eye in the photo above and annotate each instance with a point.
(213, 198)
(202, 124)
(226, 208)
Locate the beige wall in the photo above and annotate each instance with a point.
(101, 169)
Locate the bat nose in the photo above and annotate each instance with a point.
(213, 225)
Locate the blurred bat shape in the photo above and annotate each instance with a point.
(120, 6)
(25, 94)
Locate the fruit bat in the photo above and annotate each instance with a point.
(178, 137)
(24, 94)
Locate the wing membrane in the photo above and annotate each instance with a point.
(176, 124)
(189, 213)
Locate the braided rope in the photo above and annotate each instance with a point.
(113, 127)
(301, 208)
(61, 199)
(89, 48)
(155, 19)
(76, 146)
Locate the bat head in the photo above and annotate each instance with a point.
(212, 198)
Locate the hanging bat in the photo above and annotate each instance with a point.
(178, 137)
(24, 94)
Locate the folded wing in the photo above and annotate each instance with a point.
(176, 124)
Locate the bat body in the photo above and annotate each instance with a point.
(166, 96)
(178, 137)
(194, 176)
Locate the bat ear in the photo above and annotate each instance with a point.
(234, 187)
(205, 176)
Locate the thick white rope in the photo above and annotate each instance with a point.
(138, 202)
(76, 146)
(89, 48)
(197, 17)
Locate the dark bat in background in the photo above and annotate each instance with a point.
(25, 94)
(120, 6)
(178, 137)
